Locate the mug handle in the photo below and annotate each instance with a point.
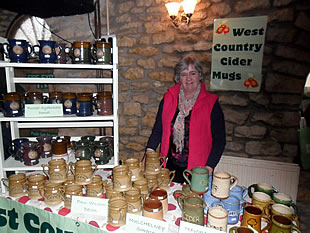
(44, 170)
(233, 229)
(172, 174)
(163, 158)
(295, 228)
(176, 192)
(244, 192)
(267, 219)
(5, 180)
(235, 182)
(180, 201)
(250, 192)
(71, 168)
(29, 48)
(6, 49)
(185, 177)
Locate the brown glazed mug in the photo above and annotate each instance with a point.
(16, 184)
(110, 192)
(34, 98)
(121, 178)
(104, 103)
(134, 201)
(162, 196)
(45, 146)
(153, 162)
(34, 184)
(117, 211)
(281, 209)
(165, 177)
(152, 181)
(57, 170)
(153, 209)
(261, 200)
(95, 188)
(136, 168)
(53, 193)
(252, 217)
(241, 229)
(83, 171)
(142, 186)
(71, 190)
(59, 147)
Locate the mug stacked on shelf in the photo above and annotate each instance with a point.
(79, 104)
(49, 51)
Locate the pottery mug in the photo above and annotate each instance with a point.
(232, 206)
(101, 52)
(280, 209)
(71, 190)
(13, 105)
(15, 149)
(110, 192)
(46, 51)
(222, 183)
(261, 200)
(217, 218)
(101, 152)
(261, 187)
(199, 179)
(80, 52)
(285, 199)
(95, 188)
(69, 103)
(192, 207)
(35, 98)
(142, 185)
(282, 224)
(153, 209)
(160, 195)
(31, 153)
(241, 229)
(121, 178)
(53, 193)
(83, 171)
(16, 184)
(54, 97)
(34, 184)
(153, 162)
(252, 217)
(117, 211)
(17, 50)
(45, 146)
(134, 200)
(56, 170)
(165, 177)
(152, 181)
(136, 168)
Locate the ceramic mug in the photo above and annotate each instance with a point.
(222, 183)
(283, 198)
(153, 209)
(84, 104)
(117, 211)
(217, 218)
(121, 178)
(101, 52)
(15, 149)
(45, 146)
(31, 153)
(80, 52)
(241, 229)
(57, 170)
(110, 192)
(46, 51)
(34, 184)
(35, 98)
(83, 171)
(136, 168)
(13, 105)
(232, 206)
(199, 179)
(282, 224)
(82, 150)
(71, 190)
(261, 187)
(16, 184)
(53, 193)
(160, 195)
(17, 50)
(165, 177)
(280, 209)
(69, 103)
(262, 200)
(142, 186)
(192, 207)
(153, 162)
(152, 181)
(101, 152)
(54, 97)
(95, 188)
(104, 103)
(252, 217)
(134, 200)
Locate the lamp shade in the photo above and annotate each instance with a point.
(173, 8)
(189, 6)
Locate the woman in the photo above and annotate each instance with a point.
(190, 123)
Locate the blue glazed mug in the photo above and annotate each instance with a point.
(232, 206)
(84, 105)
(13, 106)
(46, 51)
(17, 50)
(69, 103)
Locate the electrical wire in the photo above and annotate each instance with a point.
(52, 31)
(91, 29)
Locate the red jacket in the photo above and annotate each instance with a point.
(200, 137)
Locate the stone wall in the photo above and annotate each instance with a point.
(258, 125)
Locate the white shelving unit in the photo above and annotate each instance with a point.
(66, 121)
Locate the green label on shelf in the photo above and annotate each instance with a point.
(43, 110)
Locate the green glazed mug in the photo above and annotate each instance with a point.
(261, 187)
(283, 198)
(241, 229)
(282, 224)
(199, 180)
(192, 207)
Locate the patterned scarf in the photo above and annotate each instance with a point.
(185, 106)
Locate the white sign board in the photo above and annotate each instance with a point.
(89, 205)
(237, 53)
(136, 223)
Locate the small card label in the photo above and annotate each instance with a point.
(136, 223)
(43, 110)
(90, 205)
(186, 227)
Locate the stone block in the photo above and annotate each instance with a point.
(268, 148)
(251, 132)
(247, 5)
(161, 76)
(131, 109)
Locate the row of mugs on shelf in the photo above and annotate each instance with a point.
(81, 104)
(30, 152)
(48, 51)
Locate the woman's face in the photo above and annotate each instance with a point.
(189, 78)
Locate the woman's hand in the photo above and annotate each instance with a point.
(210, 169)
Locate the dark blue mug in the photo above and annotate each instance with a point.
(17, 50)
(69, 103)
(46, 51)
(15, 149)
(84, 104)
(13, 105)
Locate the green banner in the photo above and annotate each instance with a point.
(17, 217)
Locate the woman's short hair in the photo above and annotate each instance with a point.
(184, 64)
